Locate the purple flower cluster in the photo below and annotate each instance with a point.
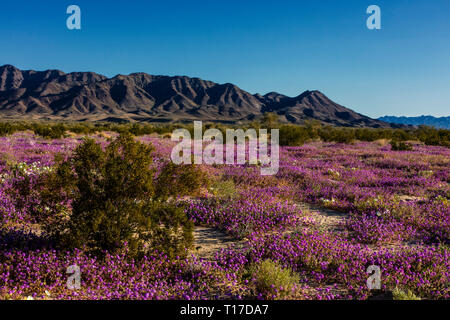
(43, 274)
(254, 212)
(397, 217)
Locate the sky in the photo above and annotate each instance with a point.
(261, 46)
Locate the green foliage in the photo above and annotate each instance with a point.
(272, 280)
(431, 136)
(171, 231)
(334, 134)
(294, 135)
(7, 128)
(291, 135)
(50, 132)
(270, 120)
(180, 180)
(404, 295)
(112, 208)
(109, 202)
(400, 146)
(223, 188)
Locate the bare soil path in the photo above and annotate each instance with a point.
(208, 241)
(328, 220)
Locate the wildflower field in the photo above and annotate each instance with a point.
(309, 232)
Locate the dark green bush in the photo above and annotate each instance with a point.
(180, 180)
(400, 146)
(6, 128)
(112, 208)
(340, 135)
(272, 280)
(171, 230)
(291, 135)
(225, 189)
(50, 131)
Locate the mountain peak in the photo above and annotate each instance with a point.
(311, 93)
(143, 97)
(8, 66)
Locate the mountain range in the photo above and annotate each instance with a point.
(53, 95)
(437, 122)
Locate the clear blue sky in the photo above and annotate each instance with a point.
(261, 46)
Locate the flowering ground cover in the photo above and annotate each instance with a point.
(395, 215)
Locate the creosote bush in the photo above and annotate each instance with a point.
(290, 134)
(180, 180)
(272, 280)
(223, 188)
(399, 294)
(400, 146)
(113, 205)
(171, 230)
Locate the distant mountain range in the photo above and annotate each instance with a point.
(53, 94)
(441, 122)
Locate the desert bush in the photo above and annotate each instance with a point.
(112, 210)
(6, 128)
(400, 146)
(291, 135)
(171, 230)
(223, 188)
(180, 180)
(50, 131)
(399, 294)
(139, 129)
(272, 280)
(340, 135)
(270, 120)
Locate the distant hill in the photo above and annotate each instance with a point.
(53, 94)
(441, 122)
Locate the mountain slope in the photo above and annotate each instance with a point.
(53, 94)
(314, 105)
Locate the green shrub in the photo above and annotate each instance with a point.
(50, 131)
(111, 192)
(180, 180)
(171, 230)
(223, 188)
(404, 295)
(273, 281)
(6, 128)
(340, 135)
(291, 135)
(400, 146)
(270, 120)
